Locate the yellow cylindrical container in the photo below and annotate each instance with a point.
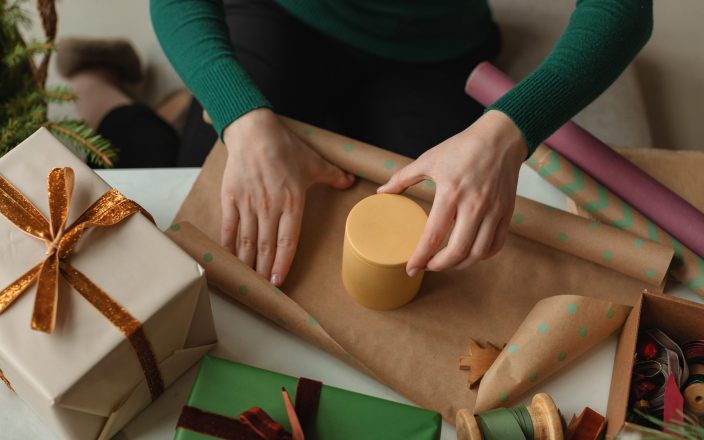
(380, 235)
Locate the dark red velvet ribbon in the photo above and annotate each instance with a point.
(255, 423)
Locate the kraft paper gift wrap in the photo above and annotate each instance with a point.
(229, 388)
(556, 332)
(414, 349)
(680, 171)
(84, 379)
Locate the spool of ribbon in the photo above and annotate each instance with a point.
(540, 420)
(657, 357)
(110, 209)
(255, 423)
(693, 388)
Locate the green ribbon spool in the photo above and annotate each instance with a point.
(506, 424)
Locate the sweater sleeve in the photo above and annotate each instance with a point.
(601, 39)
(194, 36)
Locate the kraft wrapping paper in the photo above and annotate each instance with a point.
(603, 205)
(556, 332)
(414, 349)
(664, 207)
(600, 244)
(226, 272)
(84, 379)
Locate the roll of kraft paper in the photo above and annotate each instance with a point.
(486, 84)
(607, 246)
(600, 244)
(608, 208)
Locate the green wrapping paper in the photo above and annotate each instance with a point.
(228, 388)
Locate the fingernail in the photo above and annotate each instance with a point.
(381, 188)
(412, 272)
(275, 279)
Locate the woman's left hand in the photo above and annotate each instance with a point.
(475, 174)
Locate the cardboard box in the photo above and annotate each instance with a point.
(84, 378)
(682, 320)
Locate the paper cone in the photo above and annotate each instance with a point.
(555, 333)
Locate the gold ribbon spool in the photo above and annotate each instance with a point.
(109, 210)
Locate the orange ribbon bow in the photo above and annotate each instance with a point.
(110, 209)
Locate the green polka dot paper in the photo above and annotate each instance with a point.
(556, 332)
(609, 209)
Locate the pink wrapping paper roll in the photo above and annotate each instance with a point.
(486, 84)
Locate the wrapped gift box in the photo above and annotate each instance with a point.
(680, 319)
(84, 379)
(228, 389)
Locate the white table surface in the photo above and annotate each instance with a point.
(248, 338)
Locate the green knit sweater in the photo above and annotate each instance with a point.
(601, 39)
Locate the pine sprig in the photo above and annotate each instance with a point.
(14, 15)
(24, 99)
(97, 148)
(23, 53)
(688, 429)
(58, 95)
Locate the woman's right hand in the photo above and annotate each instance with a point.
(263, 193)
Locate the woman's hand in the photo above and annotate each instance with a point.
(475, 174)
(263, 193)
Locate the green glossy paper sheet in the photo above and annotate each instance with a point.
(229, 388)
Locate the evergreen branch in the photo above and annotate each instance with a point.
(98, 149)
(14, 16)
(688, 429)
(21, 53)
(16, 130)
(59, 94)
(24, 98)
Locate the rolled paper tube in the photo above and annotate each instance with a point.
(605, 245)
(683, 221)
(540, 420)
(608, 208)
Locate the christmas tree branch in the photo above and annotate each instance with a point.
(99, 155)
(23, 53)
(59, 94)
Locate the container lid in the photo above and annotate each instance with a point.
(384, 229)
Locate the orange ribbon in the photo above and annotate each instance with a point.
(7, 383)
(110, 209)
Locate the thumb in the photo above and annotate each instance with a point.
(405, 177)
(335, 177)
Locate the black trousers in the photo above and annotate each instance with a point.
(404, 107)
